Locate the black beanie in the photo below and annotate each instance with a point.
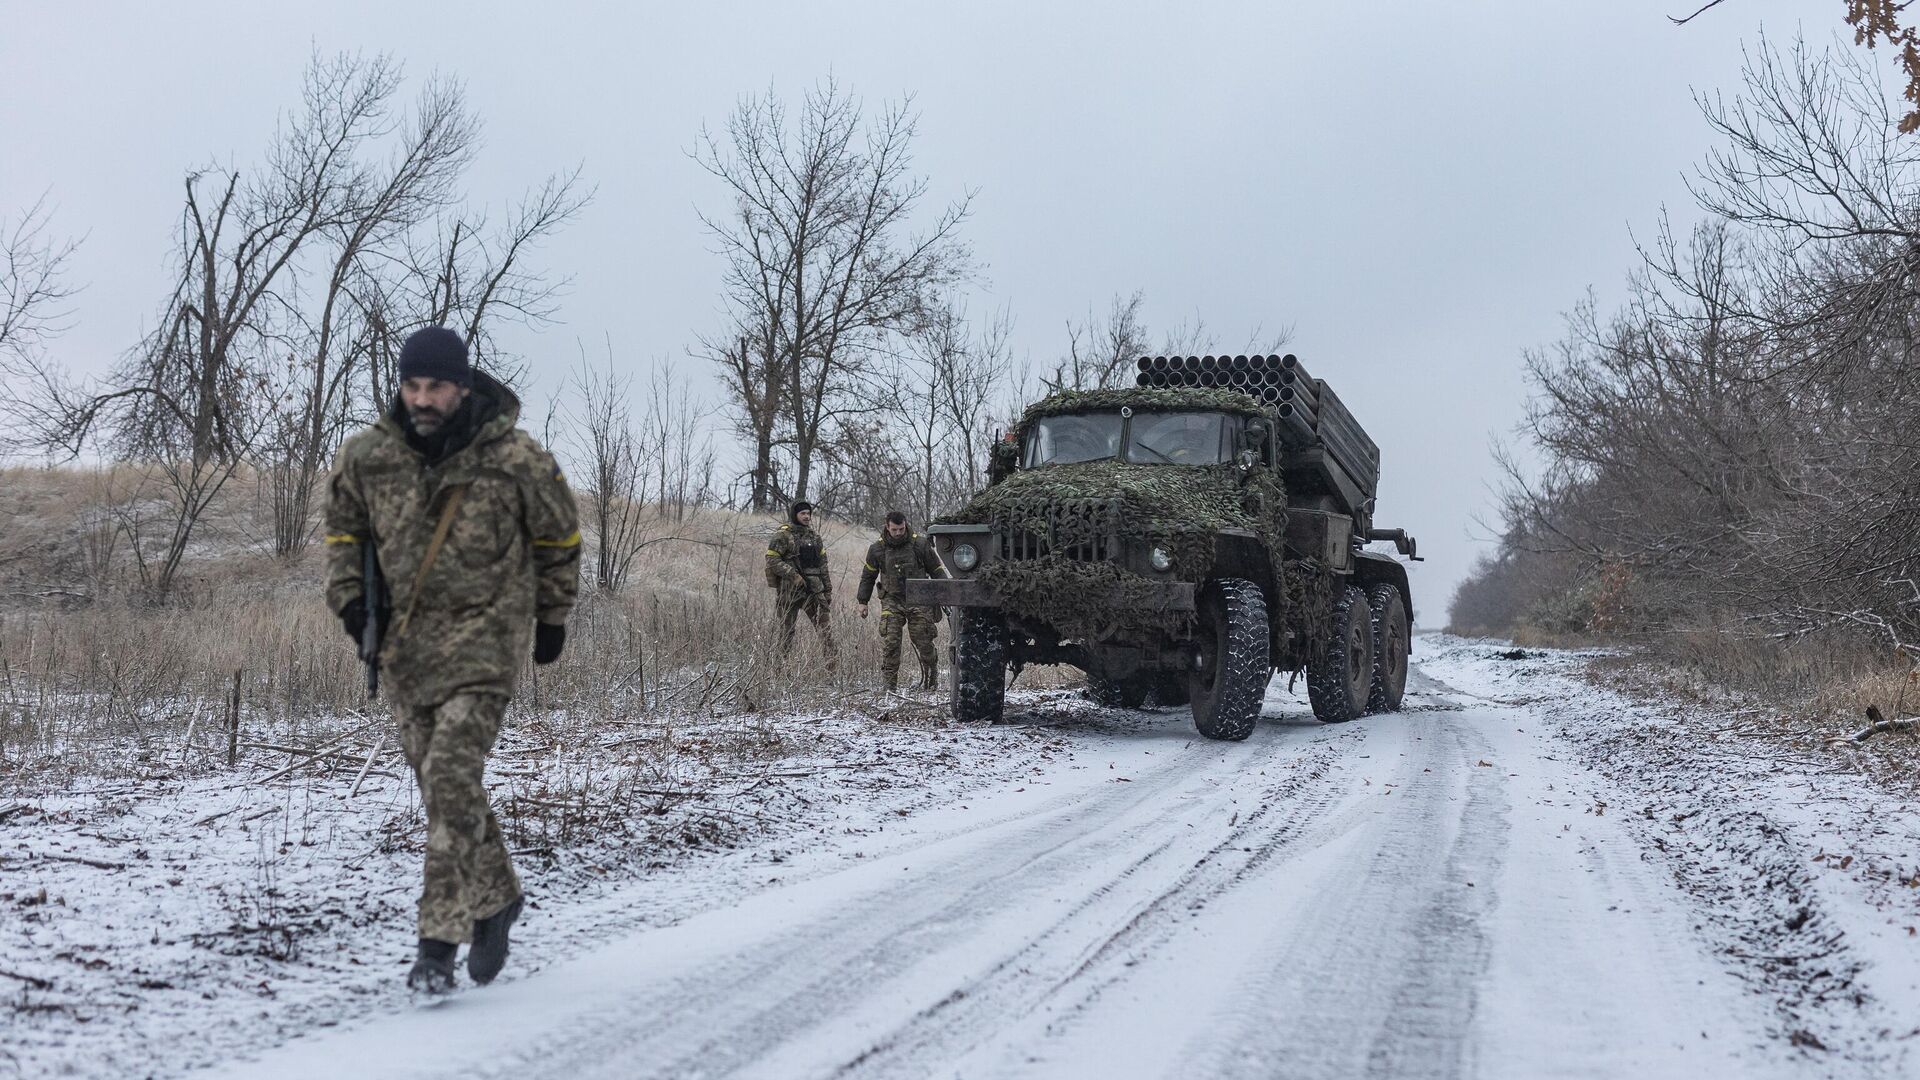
(793, 512)
(435, 353)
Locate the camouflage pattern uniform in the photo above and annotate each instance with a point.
(890, 561)
(797, 567)
(459, 636)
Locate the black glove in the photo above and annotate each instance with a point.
(547, 641)
(354, 618)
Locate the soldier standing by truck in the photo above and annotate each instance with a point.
(797, 568)
(478, 541)
(899, 554)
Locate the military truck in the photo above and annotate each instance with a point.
(1180, 540)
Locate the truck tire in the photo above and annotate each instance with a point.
(1235, 662)
(1127, 693)
(979, 665)
(1390, 642)
(1339, 678)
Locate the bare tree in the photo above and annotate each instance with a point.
(661, 452)
(679, 453)
(200, 391)
(379, 204)
(822, 262)
(950, 383)
(615, 511)
(1102, 354)
(1873, 22)
(33, 310)
(294, 281)
(474, 274)
(1731, 448)
(973, 388)
(241, 236)
(750, 369)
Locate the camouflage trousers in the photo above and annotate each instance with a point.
(468, 873)
(818, 607)
(921, 626)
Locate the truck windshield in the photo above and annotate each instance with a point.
(1178, 438)
(1063, 440)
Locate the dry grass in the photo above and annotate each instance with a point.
(96, 682)
(1833, 675)
(1796, 696)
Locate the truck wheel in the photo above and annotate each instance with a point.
(1339, 678)
(979, 665)
(1234, 659)
(1128, 693)
(1390, 639)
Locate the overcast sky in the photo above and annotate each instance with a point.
(1416, 189)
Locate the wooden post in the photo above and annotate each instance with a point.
(233, 722)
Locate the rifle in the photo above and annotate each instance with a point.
(374, 592)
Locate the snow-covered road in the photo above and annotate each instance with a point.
(1449, 891)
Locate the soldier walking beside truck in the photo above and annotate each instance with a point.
(899, 554)
(477, 537)
(797, 568)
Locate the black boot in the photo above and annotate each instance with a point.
(488, 953)
(929, 677)
(433, 972)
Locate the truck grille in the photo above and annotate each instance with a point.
(1081, 529)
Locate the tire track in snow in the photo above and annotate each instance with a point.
(1381, 981)
(1102, 847)
(1057, 964)
(1312, 966)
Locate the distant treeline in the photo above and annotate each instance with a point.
(1732, 452)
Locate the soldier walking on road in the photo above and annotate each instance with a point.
(479, 544)
(899, 554)
(797, 567)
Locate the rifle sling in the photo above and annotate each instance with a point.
(433, 552)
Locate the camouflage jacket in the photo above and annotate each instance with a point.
(889, 563)
(511, 555)
(797, 552)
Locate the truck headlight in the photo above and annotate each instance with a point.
(1162, 562)
(966, 556)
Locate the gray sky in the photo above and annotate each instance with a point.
(1418, 198)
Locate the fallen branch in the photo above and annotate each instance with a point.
(324, 750)
(211, 818)
(373, 751)
(1878, 724)
(98, 864)
(31, 980)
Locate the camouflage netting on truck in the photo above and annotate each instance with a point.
(1064, 517)
(1084, 601)
(1065, 402)
(1309, 601)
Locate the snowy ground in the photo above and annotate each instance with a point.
(169, 918)
(1522, 876)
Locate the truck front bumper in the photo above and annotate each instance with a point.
(970, 592)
